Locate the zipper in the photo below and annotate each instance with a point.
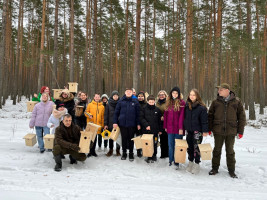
(225, 109)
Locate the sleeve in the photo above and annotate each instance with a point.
(137, 112)
(204, 120)
(34, 113)
(211, 116)
(102, 116)
(87, 111)
(50, 122)
(60, 140)
(106, 116)
(117, 113)
(241, 118)
(159, 121)
(181, 117)
(142, 119)
(165, 119)
(37, 98)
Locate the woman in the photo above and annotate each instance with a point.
(56, 117)
(43, 89)
(81, 120)
(67, 99)
(196, 124)
(39, 119)
(173, 120)
(161, 104)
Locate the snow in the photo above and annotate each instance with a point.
(27, 174)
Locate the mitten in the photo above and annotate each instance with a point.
(239, 136)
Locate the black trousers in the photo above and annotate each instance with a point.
(193, 139)
(99, 141)
(81, 122)
(164, 144)
(127, 133)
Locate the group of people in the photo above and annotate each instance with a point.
(167, 117)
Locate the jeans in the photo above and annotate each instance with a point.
(40, 132)
(171, 142)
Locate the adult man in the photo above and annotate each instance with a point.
(67, 138)
(227, 119)
(127, 117)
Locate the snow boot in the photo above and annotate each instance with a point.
(139, 153)
(148, 160)
(176, 165)
(118, 152)
(110, 153)
(213, 172)
(154, 158)
(232, 174)
(93, 153)
(124, 156)
(189, 166)
(131, 157)
(62, 156)
(58, 161)
(72, 160)
(195, 168)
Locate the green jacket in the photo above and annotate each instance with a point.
(227, 117)
(39, 97)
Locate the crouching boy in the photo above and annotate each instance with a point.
(67, 138)
(150, 118)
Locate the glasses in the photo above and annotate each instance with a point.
(161, 95)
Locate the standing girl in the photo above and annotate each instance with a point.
(81, 120)
(173, 120)
(196, 124)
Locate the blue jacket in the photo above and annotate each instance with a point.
(196, 119)
(127, 112)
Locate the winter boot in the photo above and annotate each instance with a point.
(118, 152)
(58, 161)
(148, 160)
(124, 156)
(176, 165)
(93, 153)
(131, 157)
(139, 153)
(110, 153)
(154, 158)
(189, 166)
(195, 168)
(232, 174)
(72, 160)
(62, 156)
(213, 172)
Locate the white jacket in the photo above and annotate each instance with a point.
(54, 121)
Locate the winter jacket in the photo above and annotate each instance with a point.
(68, 103)
(109, 113)
(97, 110)
(127, 112)
(39, 98)
(54, 121)
(227, 117)
(196, 119)
(41, 114)
(67, 137)
(173, 120)
(151, 116)
(161, 104)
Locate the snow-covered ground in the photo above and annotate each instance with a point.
(27, 174)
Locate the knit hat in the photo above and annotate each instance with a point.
(141, 92)
(115, 92)
(177, 90)
(224, 85)
(60, 104)
(104, 96)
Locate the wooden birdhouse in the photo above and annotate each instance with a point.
(92, 129)
(115, 133)
(85, 141)
(180, 150)
(30, 139)
(73, 87)
(137, 142)
(57, 93)
(147, 145)
(49, 141)
(78, 111)
(205, 151)
(30, 105)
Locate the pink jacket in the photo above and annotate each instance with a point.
(174, 120)
(41, 114)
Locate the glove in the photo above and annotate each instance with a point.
(75, 147)
(239, 136)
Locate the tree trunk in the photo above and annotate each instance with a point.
(55, 57)
(137, 47)
(152, 79)
(72, 41)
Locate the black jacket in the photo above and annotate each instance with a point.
(109, 113)
(151, 116)
(196, 119)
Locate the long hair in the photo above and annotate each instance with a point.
(173, 103)
(198, 99)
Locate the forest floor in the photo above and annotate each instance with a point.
(27, 174)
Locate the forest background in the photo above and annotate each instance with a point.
(149, 45)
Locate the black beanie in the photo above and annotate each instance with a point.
(177, 90)
(115, 92)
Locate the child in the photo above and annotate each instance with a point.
(150, 118)
(56, 117)
(196, 123)
(95, 114)
(81, 120)
(173, 120)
